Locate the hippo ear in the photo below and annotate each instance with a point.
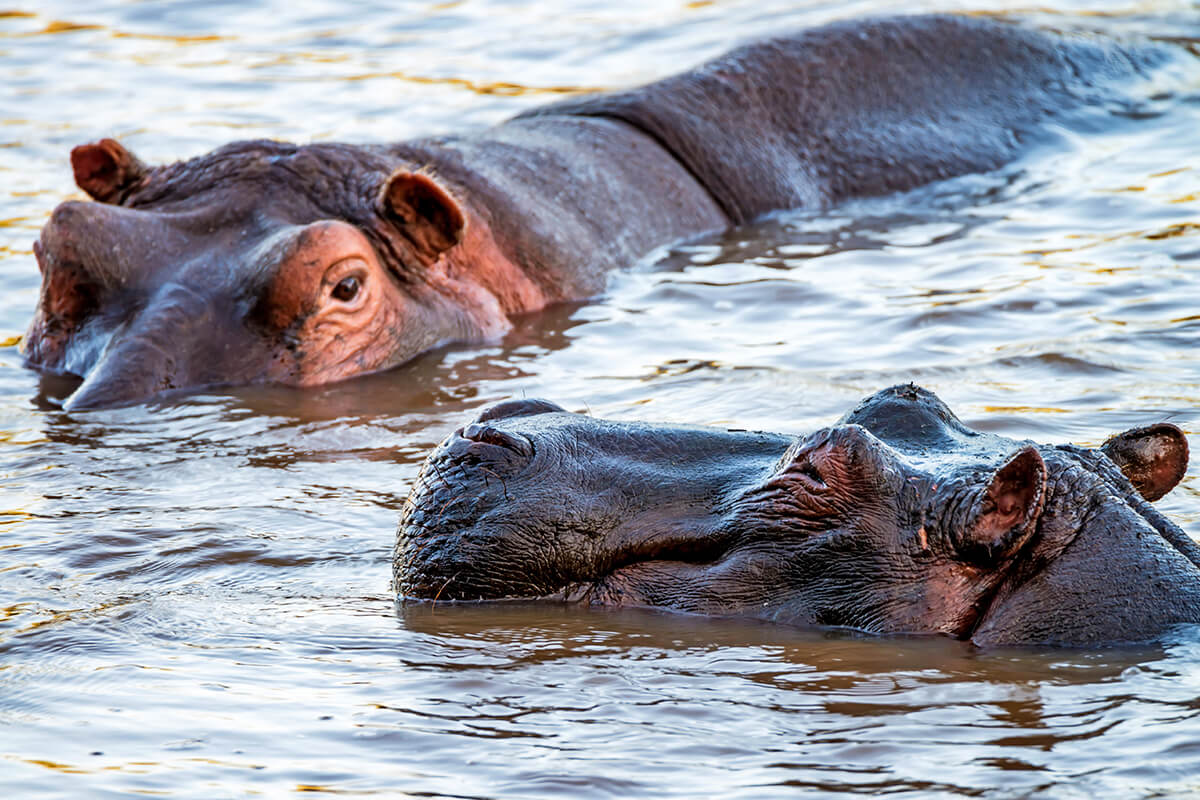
(1154, 459)
(1007, 511)
(427, 216)
(105, 169)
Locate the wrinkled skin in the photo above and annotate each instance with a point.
(302, 265)
(896, 520)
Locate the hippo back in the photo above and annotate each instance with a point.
(865, 107)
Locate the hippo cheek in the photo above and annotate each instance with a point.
(705, 575)
(1117, 582)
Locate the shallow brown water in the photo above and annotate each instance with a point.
(194, 596)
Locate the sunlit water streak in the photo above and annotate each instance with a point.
(194, 594)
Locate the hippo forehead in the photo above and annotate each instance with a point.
(927, 436)
(295, 183)
(241, 208)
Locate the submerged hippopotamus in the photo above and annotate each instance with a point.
(898, 519)
(269, 262)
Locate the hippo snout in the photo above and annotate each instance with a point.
(179, 337)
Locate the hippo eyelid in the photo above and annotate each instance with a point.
(808, 471)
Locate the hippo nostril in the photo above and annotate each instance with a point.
(494, 436)
(523, 407)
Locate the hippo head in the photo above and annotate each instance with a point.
(898, 519)
(258, 262)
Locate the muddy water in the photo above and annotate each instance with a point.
(194, 596)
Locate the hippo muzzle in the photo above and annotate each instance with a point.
(126, 333)
(897, 520)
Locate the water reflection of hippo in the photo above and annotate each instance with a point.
(269, 262)
(898, 519)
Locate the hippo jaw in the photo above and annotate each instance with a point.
(1118, 580)
(257, 263)
(979, 538)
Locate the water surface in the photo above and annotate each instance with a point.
(194, 596)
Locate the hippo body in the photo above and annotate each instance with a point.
(303, 265)
(898, 519)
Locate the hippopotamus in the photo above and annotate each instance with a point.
(897, 519)
(266, 262)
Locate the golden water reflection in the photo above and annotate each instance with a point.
(199, 586)
(503, 88)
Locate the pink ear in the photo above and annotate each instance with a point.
(1009, 508)
(427, 215)
(1154, 459)
(105, 169)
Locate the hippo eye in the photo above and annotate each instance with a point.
(346, 289)
(810, 471)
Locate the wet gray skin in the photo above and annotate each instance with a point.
(896, 520)
(265, 262)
